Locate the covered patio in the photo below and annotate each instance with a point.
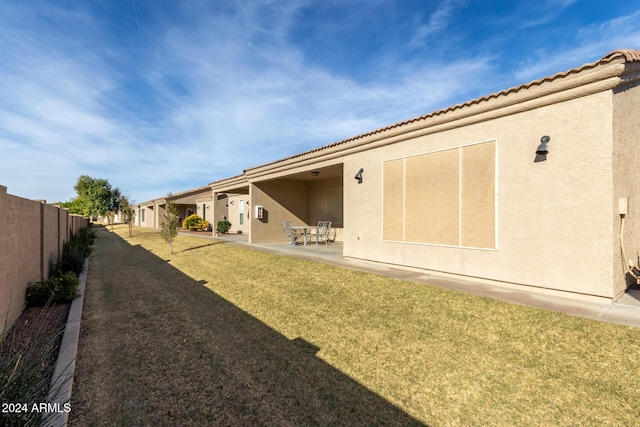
(195, 201)
(302, 196)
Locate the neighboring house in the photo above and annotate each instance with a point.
(462, 190)
(195, 201)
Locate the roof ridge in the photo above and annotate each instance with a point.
(629, 55)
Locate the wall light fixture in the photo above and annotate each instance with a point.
(542, 150)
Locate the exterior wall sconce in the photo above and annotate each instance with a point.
(359, 176)
(315, 173)
(543, 149)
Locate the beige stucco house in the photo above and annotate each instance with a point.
(536, 186)
(195, 201)
(463, 191)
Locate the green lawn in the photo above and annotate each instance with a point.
(441, 357)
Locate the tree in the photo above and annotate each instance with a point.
(83, 184)
(96, 195)
(77, 206)
(170, 224)
(127, 212)
(114, 205)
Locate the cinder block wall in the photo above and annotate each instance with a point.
(51, 242)
(19, 252)
(31, 234)
(63, 228)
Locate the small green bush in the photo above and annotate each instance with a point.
(73, 253)
(71, 259)
(85, 235)
(62, 284)
(223, 226)
(57, 289)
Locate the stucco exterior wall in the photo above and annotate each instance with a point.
(626, 181)
(553, 221)
(323, 204)
(233, 213)
(147, 219)
(283, 200)
(204, 208)
(136, 215)
(158, 211)
(220, 209)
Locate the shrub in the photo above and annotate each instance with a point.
(25, 371)
(57, 289)
(195, 222)
(71, 260)
(73, 253)
(85, 235)
(223, 226)
(62, 284)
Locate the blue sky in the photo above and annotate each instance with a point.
(165, 95)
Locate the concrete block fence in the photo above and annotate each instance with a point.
(32, 234)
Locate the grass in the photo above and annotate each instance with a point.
(242, 335)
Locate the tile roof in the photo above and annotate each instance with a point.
(626, 55)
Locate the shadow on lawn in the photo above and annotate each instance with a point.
(199, 247)
(171, 351)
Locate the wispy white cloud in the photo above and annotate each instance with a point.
(547, 11)
(173, 95)
(592, 42)
(437, 23)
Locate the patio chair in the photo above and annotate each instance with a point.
(289, 232)
(322, 232)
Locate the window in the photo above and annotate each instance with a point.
(204, 211)
(445, 197)
(142, 215)
(241, 212)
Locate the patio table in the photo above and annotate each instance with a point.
(305, 229)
